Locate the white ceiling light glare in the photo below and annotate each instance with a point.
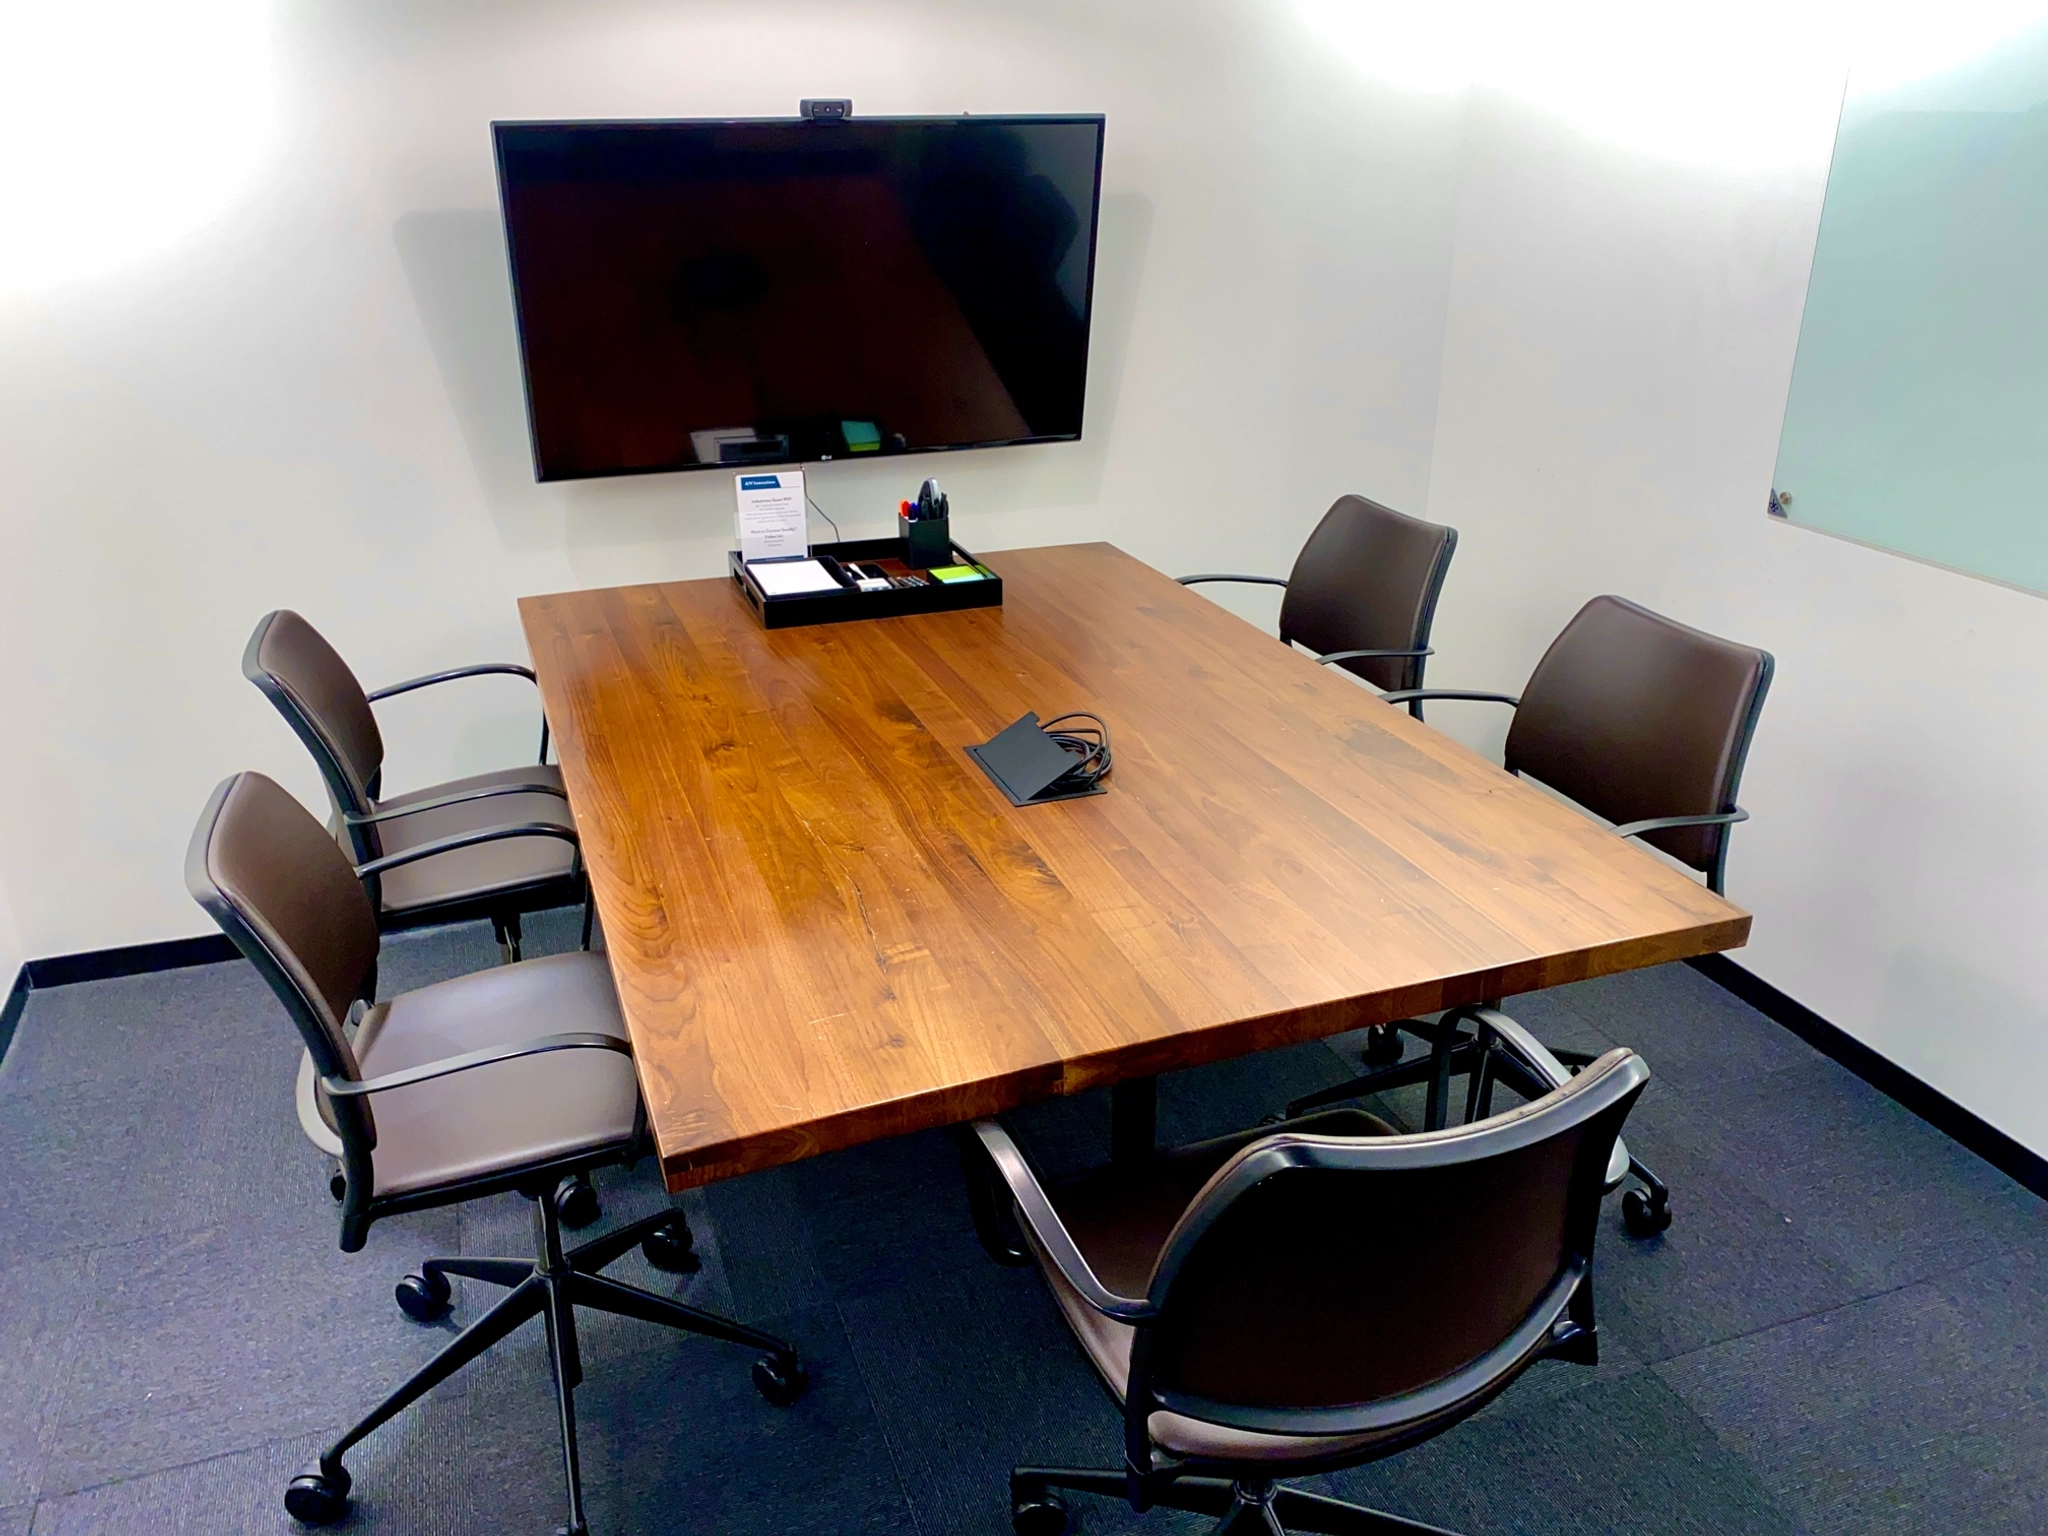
(126, 126)
(1736, 85)
(1900, 42)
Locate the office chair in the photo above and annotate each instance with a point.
(493, 845)
(1287, 1302)
(1363, 592)
(1645, 722)
(508, 1079)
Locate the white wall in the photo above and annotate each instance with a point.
(1618, 348)
(288, 377)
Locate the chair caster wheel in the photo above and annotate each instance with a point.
(1642, 1216)
(423, 1297)
(1383, 1046)
(1041, 1514)
(671, 1248)
(318, 1496)
(780, 1378)
(576, 1202)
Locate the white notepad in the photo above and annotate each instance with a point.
(784, 578)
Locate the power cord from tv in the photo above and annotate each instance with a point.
(1089, 742)
(837, 536)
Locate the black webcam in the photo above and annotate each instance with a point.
(825, 109)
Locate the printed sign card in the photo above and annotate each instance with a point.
(770, 518)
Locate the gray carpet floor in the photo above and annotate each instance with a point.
(1844, 1331)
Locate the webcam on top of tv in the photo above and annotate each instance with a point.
(825, 109)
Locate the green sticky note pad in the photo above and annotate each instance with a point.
(957, 573)
(861, 436)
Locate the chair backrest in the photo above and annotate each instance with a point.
(269, 874)
(1338, 1285)
(1367, 580)
(1635, 716)
(319, 697)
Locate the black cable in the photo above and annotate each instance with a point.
(1090, 743)
(837, 536)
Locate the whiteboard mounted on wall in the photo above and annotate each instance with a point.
(1918, 414)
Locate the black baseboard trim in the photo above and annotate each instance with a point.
(10, 1011)
(102, 964)
(131, 960)
(1887, 1077)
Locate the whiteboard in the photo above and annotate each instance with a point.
(1918, 414)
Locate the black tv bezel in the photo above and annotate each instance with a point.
(1020, 119)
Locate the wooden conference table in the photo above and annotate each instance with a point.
(827, 926)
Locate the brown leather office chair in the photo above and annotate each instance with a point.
(1645, 722)
(442, 1095)
(1301, 1300)
(1363, 591)
(496, 844)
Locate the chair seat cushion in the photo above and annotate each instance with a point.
(511, 1114)
(513, 865)
(1120, 1217)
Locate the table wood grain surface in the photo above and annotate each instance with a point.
(827, 926)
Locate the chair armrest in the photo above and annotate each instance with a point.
(352, 1088)
(1054, 1241)
(461, 798)
(1661, 823)
(1523, 1046)
(1535, 1058)
(1403, 695)
(1330, 656)
(481, 669)
(1257, 581)
(465, 840)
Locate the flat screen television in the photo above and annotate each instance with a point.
(694, 294)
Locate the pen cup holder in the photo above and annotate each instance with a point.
(926, 543)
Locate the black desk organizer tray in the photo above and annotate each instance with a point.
(852, 603)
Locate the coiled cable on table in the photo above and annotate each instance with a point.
(1088, 742)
